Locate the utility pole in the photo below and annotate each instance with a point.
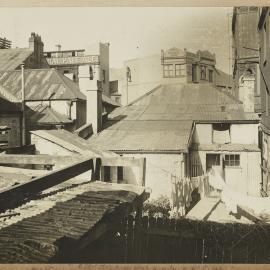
(23, 109)
(128, 76)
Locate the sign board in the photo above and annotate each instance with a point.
(74, 60)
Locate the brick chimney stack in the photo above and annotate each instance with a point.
(36, 44)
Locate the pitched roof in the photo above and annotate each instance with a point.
(161, 120)
(44, 114)
(145, 136)
(223, 79)
(10, 59)
(109, 101)
(41, 84)
(71, 142)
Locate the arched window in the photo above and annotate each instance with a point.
(91, 73)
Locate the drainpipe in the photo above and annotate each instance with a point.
(23, 109)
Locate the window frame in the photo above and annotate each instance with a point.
(232, 161)
(181, 70)
(203, 69)
(212, 77)
(171, 71)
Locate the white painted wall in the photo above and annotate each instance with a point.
(159, 169)
(244, 133)
(240, 134)
(49, 148)
(202, 134)
(247, 177)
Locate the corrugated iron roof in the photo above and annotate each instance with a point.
(144, 136)
(227, 147)
(161, 120)
(223, 79)
(108, 100)
(10, 59)
(72, 142)
(41, 84)
(44, 114)
(212, 209)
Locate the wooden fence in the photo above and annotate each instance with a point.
(151, 240)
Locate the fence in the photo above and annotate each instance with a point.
(151, 240)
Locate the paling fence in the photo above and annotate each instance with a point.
(161, 240)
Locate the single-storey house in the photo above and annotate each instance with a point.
(183, 130)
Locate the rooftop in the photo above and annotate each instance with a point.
(11, 59)
(41, 84)
(44, 115)
(76, 213)
(161, 120)
(71, 142)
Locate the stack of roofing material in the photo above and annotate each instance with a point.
(63, 220)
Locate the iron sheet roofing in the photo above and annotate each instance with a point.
(10, 59)
(44, 114)
(41, 84)
(147, 136)
(108, 100)
(72, 142)
(227, 147)
(161, 120)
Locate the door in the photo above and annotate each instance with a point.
(214, 161)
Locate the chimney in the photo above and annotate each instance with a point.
(58, 47)
(37, 46)
(93, 91)
(246, 91)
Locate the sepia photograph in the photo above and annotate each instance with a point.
(134, 135)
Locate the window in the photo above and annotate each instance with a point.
(73, 53)
(194, 73)
(232, 160)
(91, 73)
(104, 76)
(221, 133)
(179, 70)
(203, 72)
(210, 75)
(168, 71)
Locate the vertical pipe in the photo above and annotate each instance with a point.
(23, 108)
(127, 90)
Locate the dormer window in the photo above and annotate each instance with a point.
(203, 72)
(221, 133)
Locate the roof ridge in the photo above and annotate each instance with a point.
(26, 70)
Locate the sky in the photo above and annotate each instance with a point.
(131, 31)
